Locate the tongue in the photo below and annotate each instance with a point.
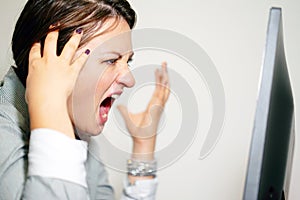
(104, 108)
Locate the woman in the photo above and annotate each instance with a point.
(71, 62)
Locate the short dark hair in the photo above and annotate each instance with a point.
(65, 15)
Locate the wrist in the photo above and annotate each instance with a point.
(143, 149)
(141, 169)
(53, 115)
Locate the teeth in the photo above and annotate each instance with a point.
(104, 116)
(115, 96)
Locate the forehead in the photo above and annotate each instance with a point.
(113, 35)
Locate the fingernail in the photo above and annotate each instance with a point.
(79, 30)
(87, 52)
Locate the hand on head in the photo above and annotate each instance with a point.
(51, 79)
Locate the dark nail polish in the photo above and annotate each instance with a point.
(79, 30)
(87, 52)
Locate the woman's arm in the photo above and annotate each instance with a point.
(143, 126)
(56, 161)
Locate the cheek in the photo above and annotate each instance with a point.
(104, 85)
(82, 102)
(89, 81)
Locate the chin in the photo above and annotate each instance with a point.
(84, 134)
(97, 132)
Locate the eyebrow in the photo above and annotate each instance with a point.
(131, 53)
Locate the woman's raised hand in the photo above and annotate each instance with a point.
(51, 79)
(143, 126)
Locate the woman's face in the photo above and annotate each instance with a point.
(103, 77)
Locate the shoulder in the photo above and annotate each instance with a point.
(13, 108)
(14, 129)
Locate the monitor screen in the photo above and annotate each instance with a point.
(271, 149)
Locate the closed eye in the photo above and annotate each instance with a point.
(111, 61)
(114, 60)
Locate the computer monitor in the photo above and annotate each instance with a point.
(271, 152)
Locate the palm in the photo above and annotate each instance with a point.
(143, 125)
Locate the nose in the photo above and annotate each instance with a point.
(125, 77)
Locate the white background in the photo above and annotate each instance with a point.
(232, 32)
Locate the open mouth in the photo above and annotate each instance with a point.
(105, 106)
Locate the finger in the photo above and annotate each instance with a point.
(71, 47)
(163, 89)
(80, 61)
(157, 83)
(164, 65)
(161, 84)
(155, 113)
(165, 81)
(166, 93)
(35, 51)
(51, 44)
(157, 76)
(124, 112)
(165, 76)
